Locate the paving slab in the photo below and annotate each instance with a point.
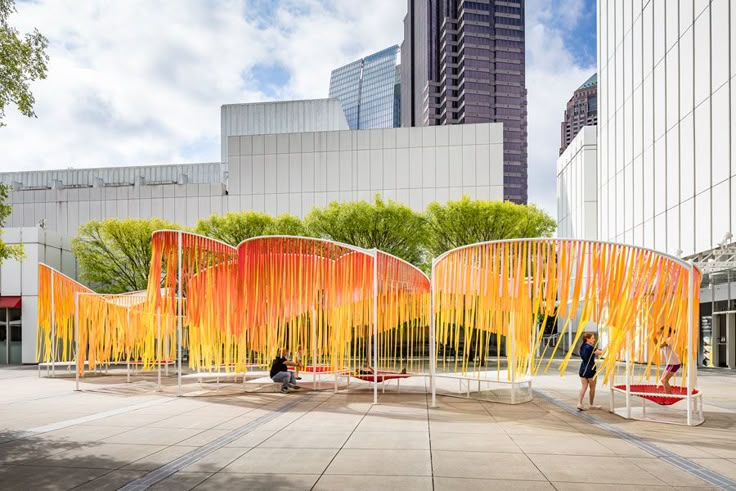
(181, 481)
(259, 482)
(373, 483)
(111, 481)
(282, 461)
(485, 465)
(306, 439)
(455, 483)
(594, 470)
(354, 461)
(474, 442)
(395, 440)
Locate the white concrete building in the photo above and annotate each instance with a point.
(19, 288)
(275, 174)
(415, 166)
(282, 173)
(665, 123)
(577, 187)
(666, 166)
(270, 118)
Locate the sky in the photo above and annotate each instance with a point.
(141, 82)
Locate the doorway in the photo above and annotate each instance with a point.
(11, 337)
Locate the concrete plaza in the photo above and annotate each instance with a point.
(116, 435)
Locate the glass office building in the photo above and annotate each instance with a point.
(367, 90)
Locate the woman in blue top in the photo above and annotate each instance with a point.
(588, 352)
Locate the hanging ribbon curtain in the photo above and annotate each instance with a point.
(485, 290)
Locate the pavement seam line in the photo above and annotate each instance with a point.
(341, 448)
(86, 419)
(175, 465)
(668, 456)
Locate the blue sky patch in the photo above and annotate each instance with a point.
(581, 39)
(269, 78)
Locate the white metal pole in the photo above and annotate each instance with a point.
(159, 349)
(76, 338)
(511, 357)
(628, 379)
(313, 341)
(179, 313)
(53, 328)
(432, 354)
(127, 364)
(690, 301)
(375, 326)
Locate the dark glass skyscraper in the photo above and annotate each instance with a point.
(367, 90)
(463, 62)
(581, 110)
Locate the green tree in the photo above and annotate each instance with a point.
(7, 251)
(115, 255)
(234, 227)
(23, 60)
(388, 226)
(466, 221)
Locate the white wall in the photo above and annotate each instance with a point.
(577, 189)
(666, 83)
(291, 173)
(267, 118)
(64, 210)
(20, 278)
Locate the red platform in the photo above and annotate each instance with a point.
(664, 399)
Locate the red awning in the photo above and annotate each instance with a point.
(10, 302)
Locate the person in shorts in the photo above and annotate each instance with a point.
(670, 358)
(298, 359)
(280, 371)
(587, 372)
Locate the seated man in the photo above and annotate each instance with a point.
(280, 372)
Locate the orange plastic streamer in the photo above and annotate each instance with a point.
(238, 306)
(501, 289)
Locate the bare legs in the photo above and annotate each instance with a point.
(666, 376)
(591, 393)
(587, 384)
(584, 382)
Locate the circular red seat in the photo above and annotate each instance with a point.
(658, 395)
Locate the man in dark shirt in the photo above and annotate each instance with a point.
(280, 371)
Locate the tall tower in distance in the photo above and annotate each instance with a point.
(463, 62)
(582, 110)
(367, 89)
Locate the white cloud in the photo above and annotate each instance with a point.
(552, 75)
(137, 82)
(140, 82)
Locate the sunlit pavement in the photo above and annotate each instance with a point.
(113, 434)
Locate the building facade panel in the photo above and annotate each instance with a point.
(681, 124)
(577, 187)
(414, 176)
(274, 118)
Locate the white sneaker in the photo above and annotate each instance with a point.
(595, 407)
(580, 407)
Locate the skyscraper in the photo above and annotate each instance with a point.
(582, 110)
(463, 62)
(367, 90)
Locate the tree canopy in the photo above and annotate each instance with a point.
(466, 221)
(233, 228)
(115, 255)
(23, 60)
(7, 251)
(388, 226)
